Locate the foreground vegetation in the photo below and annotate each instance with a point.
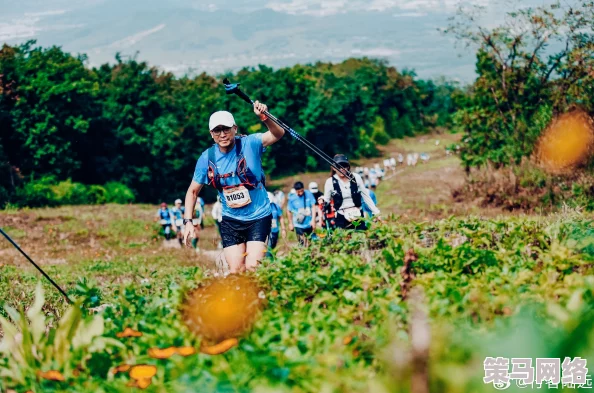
(336, 316)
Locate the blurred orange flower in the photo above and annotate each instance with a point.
(128, 332)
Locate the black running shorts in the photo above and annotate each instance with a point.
(235, 232)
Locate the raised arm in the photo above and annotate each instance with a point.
(275, 132)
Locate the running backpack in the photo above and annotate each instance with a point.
(243, 172)
(165, 214)
(338, 198)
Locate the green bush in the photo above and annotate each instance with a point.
(96, 195)
(379, 135)
(119, 193)
(69, 193)
(37, 193)
(311, 163)
(47, 192)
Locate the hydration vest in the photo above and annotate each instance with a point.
(327, 209)
(242, 171)
(178, 213)
(338, 198)
(164, 214)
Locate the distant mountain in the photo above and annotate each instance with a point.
(190, 36)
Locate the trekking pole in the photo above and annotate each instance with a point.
(233, 88)
(34, 264)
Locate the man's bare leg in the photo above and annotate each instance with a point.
(255, 253)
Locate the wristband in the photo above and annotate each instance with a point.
(263, 117)
(187, 220)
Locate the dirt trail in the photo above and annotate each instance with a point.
(419, 192)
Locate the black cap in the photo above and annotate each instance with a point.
(341, 159)
(298, 186)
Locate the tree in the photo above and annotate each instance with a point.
(539, 58)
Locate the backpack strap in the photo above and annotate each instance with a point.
(246, 176)
(212, 173)
(355, 193)
(238, 147)
(337, 196)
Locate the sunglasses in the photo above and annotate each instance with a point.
(224, 130)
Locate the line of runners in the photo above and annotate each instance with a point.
(250, 218)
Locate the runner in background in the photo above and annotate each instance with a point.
(313, 188)
(166, 218)
(279, 195)
(366, 210)
(326, 214)
(278, 224)
(373, 179)
(217, 215)
(301, 210)
(348, 196)
(198, 222)
(178, 212)
(202, 211)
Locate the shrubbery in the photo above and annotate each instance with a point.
(48, 192)
(527, 187)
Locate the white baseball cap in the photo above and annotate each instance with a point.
(221, 118)
(177, 201)
(313, 186)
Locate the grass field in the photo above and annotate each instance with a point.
(438, 284)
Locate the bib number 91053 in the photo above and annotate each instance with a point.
(237, 197)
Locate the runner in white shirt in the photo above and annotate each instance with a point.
(348, 197)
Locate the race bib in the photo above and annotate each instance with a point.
(179, 222)
(164, 222)
(351, 214)
(237, 197)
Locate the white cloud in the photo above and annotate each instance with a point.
(17, 30)
(376, 52)
(28, 25)
(133, 39)
(45, 13)
(309, 7)
(331, 7)
(409, 15)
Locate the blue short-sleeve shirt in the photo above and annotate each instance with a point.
(252, 149)
(303, 204)
(366, 208)
(277, 213)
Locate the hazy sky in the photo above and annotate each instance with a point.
(214, 36)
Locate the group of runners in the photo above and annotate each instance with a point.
(171, 220)
(250, 219)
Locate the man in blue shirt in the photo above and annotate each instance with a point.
(233, 165)
(166, 219)
(178, 213)
(278, 224)
(199, 212)
(302, 210)
(366, 209)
